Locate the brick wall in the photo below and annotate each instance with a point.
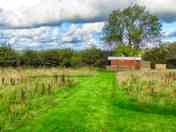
(126, 64)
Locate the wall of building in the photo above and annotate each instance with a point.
(126, 64)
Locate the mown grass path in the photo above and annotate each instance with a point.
(87, 109)
(93, 106)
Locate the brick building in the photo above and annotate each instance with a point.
(125, 63)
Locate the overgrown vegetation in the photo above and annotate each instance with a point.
(98, 103)
(153, 91)
(25, 93)
(52, 99)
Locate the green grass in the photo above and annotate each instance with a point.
(95, 104)
(98, 105)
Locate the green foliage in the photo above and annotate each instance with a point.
(93, 57)
(165, 54)
(125, 50)
(76, 60)
(133, 24)
(30, 58)
(8, 56)
(171, 57)
(156, 55)
(53, 58)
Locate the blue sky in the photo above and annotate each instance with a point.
(48, 24)
(169, 30)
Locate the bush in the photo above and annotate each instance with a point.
(156, 55)
(76, 60)
(8, 57)
(171, 57)
(94, 57)
(165, 54)
(30, 58)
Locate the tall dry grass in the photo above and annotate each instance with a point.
(23, 91)
(150, 87)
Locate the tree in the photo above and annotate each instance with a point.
(8, 56)
(125, 50)
(172, 51)
(171, 57)
(93, 57)
(156, 55)
(131, 26)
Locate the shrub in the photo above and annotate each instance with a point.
(76, 60)
(171, 57)
(93, 57)
(156, 55)
(165, 54)
(8, 57)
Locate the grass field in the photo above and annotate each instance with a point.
(84, 100)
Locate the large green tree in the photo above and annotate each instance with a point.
(131, 26)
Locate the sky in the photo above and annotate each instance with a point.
(77, 24)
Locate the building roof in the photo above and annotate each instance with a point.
(124, 58)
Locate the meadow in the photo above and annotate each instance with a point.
(149, 89)
(25, 92)
(86, 100)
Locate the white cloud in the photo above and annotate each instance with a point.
(53, 37)
(31, 38)
(165, 9)
(159, 6)
(85, 33)
(20, 13)
(31, 13)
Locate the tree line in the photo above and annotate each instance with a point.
(163, 54)
(51, 58)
